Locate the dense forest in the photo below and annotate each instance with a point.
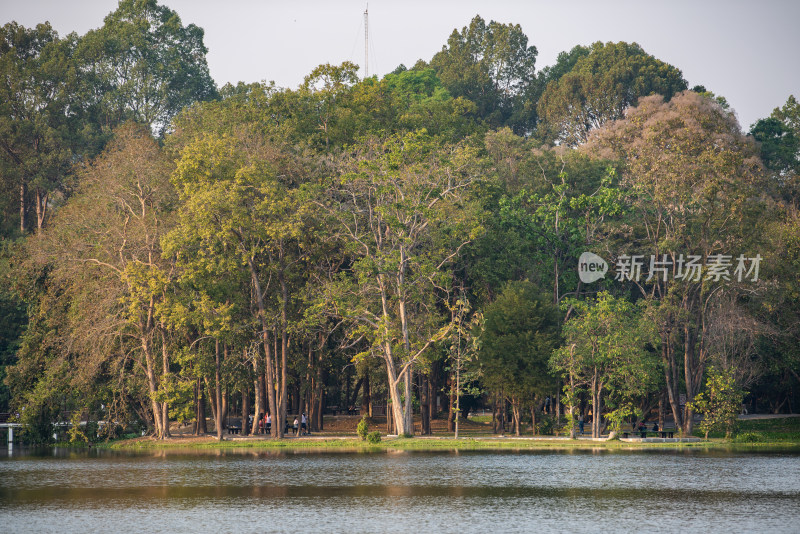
(406, 245)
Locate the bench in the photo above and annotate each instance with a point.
(665, 433)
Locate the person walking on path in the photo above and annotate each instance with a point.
(303, 424)
(294, 426)
(580, 424)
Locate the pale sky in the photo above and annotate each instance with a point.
(746, 51)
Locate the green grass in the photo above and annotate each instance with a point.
(446, 444)
(780, 430)
(753, 434)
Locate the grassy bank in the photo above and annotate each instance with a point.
(763, 441)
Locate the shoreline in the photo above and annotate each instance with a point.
(432, 444)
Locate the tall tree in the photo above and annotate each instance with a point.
(239, 219)
(605, 349)
(600, 87)
(779, 136)
(144, 65)
(102, 264)
(520, 331)
(694, 183)
(398, 208)
(493, 66)
(38, 117)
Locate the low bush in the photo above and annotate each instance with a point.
(749, 437)
(363, 428)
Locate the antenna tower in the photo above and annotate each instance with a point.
(366, 42)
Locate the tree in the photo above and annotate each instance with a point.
(493, 66)
(779, 136)
(240, 220)
(780, 147)
(520, 331)
(720, 402)
(605, 349)
(694, 184)
(105, 280)
(144, 65)
(397, 207)
(38, 116)
(600, 87)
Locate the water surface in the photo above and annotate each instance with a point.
(257, 491)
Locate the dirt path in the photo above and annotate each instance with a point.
(768, 416)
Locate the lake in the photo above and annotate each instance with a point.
(58, 490)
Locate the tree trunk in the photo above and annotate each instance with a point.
(218, 390)
(153, 386)
(194, 425)
(225, 407)
(515, 409)
(22, 209)
(451, 405)
(212, 403)
(597, 409)
(284, 331)
(311, 380)
(432, 396)
(319, 395)
(321, 400)
(41, 209)
(165, 370)
(366, 402)
(277, 426)
(670, 377)
(202, 427)
(533, 419)
(245, 409)
(258, 384)
(424, 404)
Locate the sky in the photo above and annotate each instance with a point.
(746, 51)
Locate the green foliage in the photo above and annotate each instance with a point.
(149, 65)
(520, 331)
(621, 414)
(569, 423)
(40, 139)
(76, 433)
(377, 214)
(749, 437)
(374, 437)
(363, 428)
(779, 138)
(605, 350)
(492, 66)
(37, 422)
(720, 402)
(545, 425)
(600, 87)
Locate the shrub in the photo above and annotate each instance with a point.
(76, 434)
(363, 428)
(545, 424)
(719, 402)
(374, 437)
(749, 437)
